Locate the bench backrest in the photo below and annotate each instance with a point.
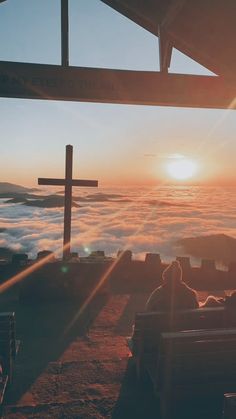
(194, 357)
(229, 411)
(149, 325)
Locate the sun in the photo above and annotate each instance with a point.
(181, 168)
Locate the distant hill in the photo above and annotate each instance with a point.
(6, 187)
(16, 194)
(33, 200)
(215, 246)
(50, 202)
(16, 200)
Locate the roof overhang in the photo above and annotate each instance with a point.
(204, 29)
(40, 81)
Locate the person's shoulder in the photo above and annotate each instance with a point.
(157, 290)
(191, 293)
(155, 297)
(189, 289)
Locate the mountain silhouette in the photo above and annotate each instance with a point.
(6, 187)
(50, 202)
(215, 246)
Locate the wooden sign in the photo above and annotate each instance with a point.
(40, 81)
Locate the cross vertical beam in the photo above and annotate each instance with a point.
(64, 33)
(68, 201)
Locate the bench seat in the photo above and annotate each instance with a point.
(3, 386)
(9, 347)
(198, 364)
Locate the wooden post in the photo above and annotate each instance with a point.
(68, 202)
(64, 33)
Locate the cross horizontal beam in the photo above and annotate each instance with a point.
(41, 81)
(62, 182)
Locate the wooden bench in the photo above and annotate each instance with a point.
(229, 411)
(194, 365)
(8, 349)
(149, 326)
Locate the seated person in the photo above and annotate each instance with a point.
(212, 301)
(230, 300)
(173, 294)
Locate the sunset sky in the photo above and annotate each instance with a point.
(115, 144)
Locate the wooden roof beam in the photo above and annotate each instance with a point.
(53, 82)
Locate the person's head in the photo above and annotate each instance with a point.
(172, 274)
(231, 300)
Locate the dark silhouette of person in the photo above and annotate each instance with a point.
(229, 301)
(212, 301)
(174, 293)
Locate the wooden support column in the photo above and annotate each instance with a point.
(68, 202)
(64, 33)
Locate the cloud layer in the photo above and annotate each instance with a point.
(141, 219)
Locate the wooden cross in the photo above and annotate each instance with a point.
(68, 182)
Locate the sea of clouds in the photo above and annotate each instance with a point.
(140, 219)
